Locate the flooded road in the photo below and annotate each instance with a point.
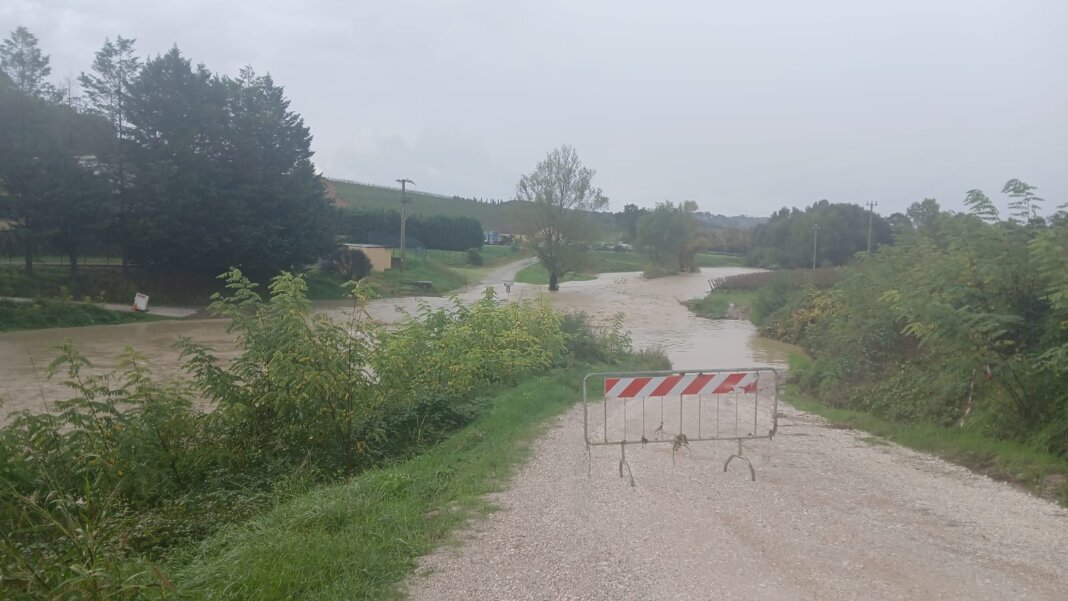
(651, 310)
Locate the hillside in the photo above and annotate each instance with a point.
(504, 217)
(497, 217)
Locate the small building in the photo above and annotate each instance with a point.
(381, 257)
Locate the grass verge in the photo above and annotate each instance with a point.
(718, 260)
(392, 283)
(716, 305)
(536, 274)
(597, 261)
(359, 539)
(52, 313)
(1040, 473)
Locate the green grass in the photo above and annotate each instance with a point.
(718, 260)
(491, 216)
(492, 255)
(395, 282)
(108, 284)
(1038, 472)
(715, 304)
(359, 539)
(390, 284)
(536, 274)
(597, 261)
(52, 313)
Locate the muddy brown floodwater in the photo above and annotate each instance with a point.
(651, 309)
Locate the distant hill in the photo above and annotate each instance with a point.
(492, 216)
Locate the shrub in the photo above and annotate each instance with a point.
(474, 257)
(349, 263)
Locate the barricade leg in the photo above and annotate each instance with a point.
(739, 455)
(623, 461)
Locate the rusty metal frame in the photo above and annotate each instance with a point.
(623, 442)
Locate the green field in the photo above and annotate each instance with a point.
(493, 217)
(51, 313)
(715, 305)
(718, 260)
(597, 261)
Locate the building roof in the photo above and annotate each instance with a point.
(361, 245)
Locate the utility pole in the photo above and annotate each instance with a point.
(871, 212)
(404, 214)
(815, 238)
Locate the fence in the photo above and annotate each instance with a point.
(680, 408)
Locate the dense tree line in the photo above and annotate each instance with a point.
(964, 321)
(173, 166)
(787, 239)
(439, 232)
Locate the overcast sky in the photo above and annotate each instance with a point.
(744, 107)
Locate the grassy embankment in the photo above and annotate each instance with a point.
(742, 292)
(55, 313)
(507, 216)
(359, 539)
(446, 270)
(1037, 471)
(608, 261)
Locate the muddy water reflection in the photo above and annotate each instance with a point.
(651, 309)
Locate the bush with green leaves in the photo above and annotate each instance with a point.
(963, 321)
(474, 257)
(94, 495)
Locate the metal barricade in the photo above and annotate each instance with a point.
(680, 407)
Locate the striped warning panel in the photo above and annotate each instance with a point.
(658, 386)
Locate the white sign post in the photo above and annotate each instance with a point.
(140, 302)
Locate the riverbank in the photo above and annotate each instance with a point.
(767, 300)
(361, 538)
(607, 261)
(26, 314)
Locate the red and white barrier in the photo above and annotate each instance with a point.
(682, 384)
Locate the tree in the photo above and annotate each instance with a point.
(177, 120)
(1024, 204)
(786, 240)
(22, 61)
(107, 93)
(272, 179)
(27, 119)
(561, 196)
(922, 215)
(668, 235)
(628, 221)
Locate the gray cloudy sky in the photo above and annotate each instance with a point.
(742, 106)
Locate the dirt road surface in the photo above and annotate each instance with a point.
(833, 515)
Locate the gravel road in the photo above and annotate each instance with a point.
(834, 515)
